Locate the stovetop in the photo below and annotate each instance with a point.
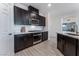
(35, 31)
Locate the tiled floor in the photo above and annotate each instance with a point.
(46, 48)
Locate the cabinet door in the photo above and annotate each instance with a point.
(77, 47)
(28, 40)
(70, 46)
(23, 41)
(19, 43)
(25, 17)
(41, 21)
(18, 16)
(60, 42)
(44, 36)
(33, 9)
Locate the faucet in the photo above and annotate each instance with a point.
(76, 28)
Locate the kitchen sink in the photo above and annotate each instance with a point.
(73, 34)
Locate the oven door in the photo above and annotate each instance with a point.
(37, 38)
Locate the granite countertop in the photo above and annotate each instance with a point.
(16, 33)
(73, 36)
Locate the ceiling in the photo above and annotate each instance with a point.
(56, 8)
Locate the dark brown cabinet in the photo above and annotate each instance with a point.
(41, 20)
(77, 47)
(28, 40)
(19, 42)
(18, 16)
(28, 17)
(44, 36)
(70, 46)
(21, 16)
(33, 9)
(60, 42)
(25, 17)
(22, 41)
(67, 45)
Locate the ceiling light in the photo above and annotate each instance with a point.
(49, 5)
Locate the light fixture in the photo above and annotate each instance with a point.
(49, 5)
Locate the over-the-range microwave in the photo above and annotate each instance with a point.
(34, 22)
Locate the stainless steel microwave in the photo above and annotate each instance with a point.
(34, 22)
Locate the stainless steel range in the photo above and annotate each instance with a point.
(37, 36)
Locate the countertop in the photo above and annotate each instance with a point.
(73, 36)
(17, 33)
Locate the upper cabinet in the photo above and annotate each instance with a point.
(28, 17)
(21, 16)
(41, 20)
(25, 17)
(33, 10)
(18, 16)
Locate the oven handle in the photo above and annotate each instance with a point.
(38, 35)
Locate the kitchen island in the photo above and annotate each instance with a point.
(68, 44)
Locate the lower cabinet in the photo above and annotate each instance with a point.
(18, 42)
(44, 36)
(78, 48)
(60, 43)
(28, 40)
(67, 45)
(22, 41)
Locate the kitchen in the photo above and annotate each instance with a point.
(39, 27)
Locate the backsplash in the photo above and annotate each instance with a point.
(17, 28)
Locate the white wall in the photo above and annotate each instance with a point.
(54, 25)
